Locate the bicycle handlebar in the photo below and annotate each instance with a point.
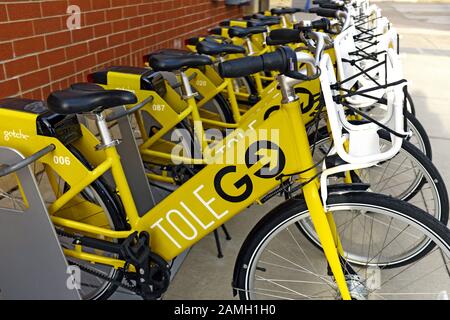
(329, 13)
(328, 2)
(332, 6)
(250, 65)
(283, 36)
(320, 24)
(342, 15)
(284, 60)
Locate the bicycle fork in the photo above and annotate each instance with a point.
(323, 222)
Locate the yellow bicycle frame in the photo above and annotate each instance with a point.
(168, 117)
(202, 204)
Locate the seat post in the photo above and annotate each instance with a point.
(189, 96)
(294, 18)
(283, 22)
(249, 44)
(105, 135)
(186, 85)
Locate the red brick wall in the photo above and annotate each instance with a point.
(38, 53)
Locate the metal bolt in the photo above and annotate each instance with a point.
(141, 271)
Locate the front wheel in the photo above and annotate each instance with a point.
(277, 261)
(410, 104)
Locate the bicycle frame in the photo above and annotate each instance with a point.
(209, 199)
(164, 114)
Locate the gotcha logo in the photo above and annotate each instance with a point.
(8, 135)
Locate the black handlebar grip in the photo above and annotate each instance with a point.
(275, 61)
(241, 67)
(250, 65)
(319, 2)
(321, 24)
(285, 35)
(329, 13)
(331, 6)
(272, 42)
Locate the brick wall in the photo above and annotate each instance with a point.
(39, 54)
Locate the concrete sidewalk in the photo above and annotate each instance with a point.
(425, 50)
(425, 47)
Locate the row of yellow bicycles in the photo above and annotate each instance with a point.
(315, 112)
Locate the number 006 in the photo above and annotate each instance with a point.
(65, 161)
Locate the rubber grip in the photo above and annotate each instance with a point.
(272, 42)
(319, 2)
(331, 6)
(322, 24)
(329, 13)
(241, 67)
(285, 35)
(250, 65)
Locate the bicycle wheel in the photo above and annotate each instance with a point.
(220, 106)
(109, 215)
(409, 176)
(410, 104)
(276, 262)
(245, 85)
(419, 136)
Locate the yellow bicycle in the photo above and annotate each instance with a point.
(102, 233)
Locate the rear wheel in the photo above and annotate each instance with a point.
(220, 106)
(278, 262)
(245, 85)
(96, 205)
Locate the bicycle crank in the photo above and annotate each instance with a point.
(152, 276)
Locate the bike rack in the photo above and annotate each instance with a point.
(32, 264)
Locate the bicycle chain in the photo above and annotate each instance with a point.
(127, 286)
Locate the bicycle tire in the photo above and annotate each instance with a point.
(224, 108)
(411, 107)
(294, 209)
(114, 211)
(420, 133)
(433, 173)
